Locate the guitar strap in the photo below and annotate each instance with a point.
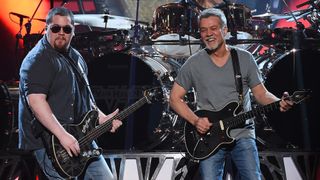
(78, 69)
(237, 74)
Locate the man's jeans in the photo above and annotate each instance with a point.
(244, 155)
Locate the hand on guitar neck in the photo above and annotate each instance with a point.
(286, 103)
(86, 132)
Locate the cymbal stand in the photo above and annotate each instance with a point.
(18, 35)
(230, 19)
(135, 44)
(299, 25)
(183, 41)
(80, 4)
(298, 74)
(132, 80)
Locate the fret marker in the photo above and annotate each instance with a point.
(221, 125)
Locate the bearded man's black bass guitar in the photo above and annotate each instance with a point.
(85, 132)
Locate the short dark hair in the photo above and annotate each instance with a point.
(214, 12)
(62, 11)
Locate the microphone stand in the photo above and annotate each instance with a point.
(18, 35)
(135, 45)
(17, 55)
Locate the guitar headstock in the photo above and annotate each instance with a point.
(154, 94)
(299, 96)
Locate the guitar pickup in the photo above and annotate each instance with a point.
(221, 125)
(96, 152)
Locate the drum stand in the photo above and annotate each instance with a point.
(135, 49)
(233, 30)
(297, 37)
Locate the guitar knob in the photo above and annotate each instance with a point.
(204, 141)
(89, 153)
(96, 152)
(85, 154)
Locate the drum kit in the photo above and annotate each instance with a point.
(126, 55)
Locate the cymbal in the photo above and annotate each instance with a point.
(298, 14)
(270, 16)
(113, 21)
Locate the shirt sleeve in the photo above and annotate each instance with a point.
(184, 77)
(254, 74)
(38, 73)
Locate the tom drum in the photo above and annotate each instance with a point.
(177, 24)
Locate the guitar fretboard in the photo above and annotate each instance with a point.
(102, 128)
(242, 117)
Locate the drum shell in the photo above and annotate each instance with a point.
(8, 118)
(94, 44)
(175, 28)
(110, 82)
(175, 18)
(284, 76)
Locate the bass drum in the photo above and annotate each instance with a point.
(291, 126)
(151, 126)
(8, 118)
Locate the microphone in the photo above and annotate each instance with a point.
(304, 3)
(19, 15)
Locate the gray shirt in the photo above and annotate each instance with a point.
(215, 86)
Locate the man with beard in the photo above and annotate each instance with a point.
(53, 91)
(211, 73)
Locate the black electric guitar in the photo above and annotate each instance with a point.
(85, 132)
(201, 146)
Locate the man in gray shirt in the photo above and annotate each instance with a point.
(210, 73)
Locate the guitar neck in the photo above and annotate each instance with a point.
(242, 117)
(106, 126)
